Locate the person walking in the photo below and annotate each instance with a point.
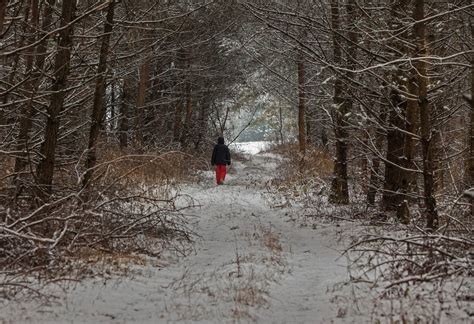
(220, 158)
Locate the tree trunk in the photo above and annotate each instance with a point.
(98, 108)
(324, 139)
(407, 180)
(16, 58)
(140, 109)
(25, 109)
(396, 178)
(124, 114)
(45, 167)
(411, 128)
(3, 8)
(113, 108)
(395, 181)
(309, 128)
(177, 121)
(471, 127)
(203, 119)
(28, 111)
(339, 187)
(301, 105)
(425, 118)
(375, 167)
(280, 124)
(186, 133)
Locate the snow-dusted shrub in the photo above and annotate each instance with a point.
(128, 209)
(414, 276)
(301, 180)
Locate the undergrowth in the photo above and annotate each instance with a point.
(400, 273)
(126, 215)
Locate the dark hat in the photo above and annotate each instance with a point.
(220, 140)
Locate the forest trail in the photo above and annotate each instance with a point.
(250, 264)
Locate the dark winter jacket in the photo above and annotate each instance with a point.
(221, 153)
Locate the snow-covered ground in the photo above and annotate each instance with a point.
(251, 264)
(250, 147)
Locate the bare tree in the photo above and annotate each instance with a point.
(427, 138)
(98, 108)
(45, 169)
(141, 97)
(27, 109)
(301, 104)
(471, 125)
(3, 8)
(339, 187)
(125, 113)
(396, 181)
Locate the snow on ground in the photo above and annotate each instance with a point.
(251, 264)
(250, 147)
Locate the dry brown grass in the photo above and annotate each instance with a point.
(94, 256)
(126, 168)
(316, 163)
(238, 156)
(153, 167)
(250, 296)
(271, 240)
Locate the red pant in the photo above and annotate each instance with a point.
(221, 171)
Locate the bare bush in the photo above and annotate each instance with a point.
(398, 272)
(130, 211)
(414, 276)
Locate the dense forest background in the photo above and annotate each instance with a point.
(92, 92)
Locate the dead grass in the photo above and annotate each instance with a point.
(300, 179)
(271, 240)
(240, 313)
(238, 156)
(94, 256)
(150, 168)
(250, 296)
(316, 163)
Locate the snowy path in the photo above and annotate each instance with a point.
(250, 265)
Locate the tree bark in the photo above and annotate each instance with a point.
(140, 109)
(177, 121)
(395, 183)
(3, 8)
(375, 167)
(98, 108)
(339, 187)
(301, 105)
(28, 111)
(124, 114)
(16, 58)
(425, 118)
(203, 120)
(396, 178)
(411, 128)
(471, 126)
(280, 124)
(186, 133)
(407, 180)
(45, 168)
(113, 108)
(25, 109)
